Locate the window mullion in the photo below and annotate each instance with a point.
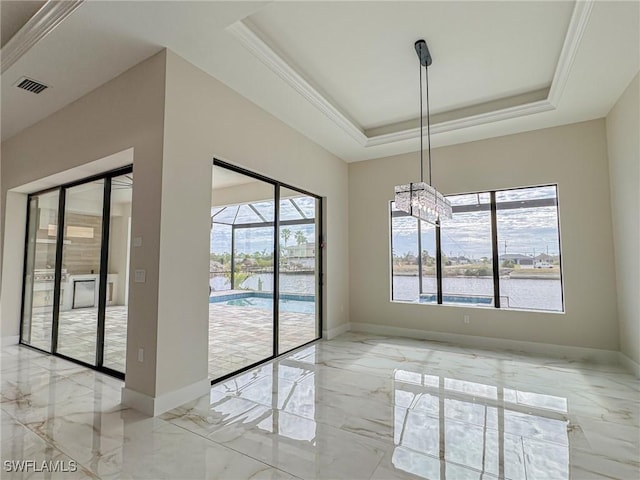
(494, 250)
(420, 272)
(438, 265)
(57, 282)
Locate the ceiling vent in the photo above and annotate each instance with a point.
(31, 85)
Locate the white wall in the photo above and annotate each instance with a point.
(574, 157)
(206, 119)
(623, 139)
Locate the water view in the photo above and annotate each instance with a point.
(519, 293)
(289, 282)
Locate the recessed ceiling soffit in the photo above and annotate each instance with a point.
(536, 101)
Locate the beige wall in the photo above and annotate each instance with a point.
(126, 112)
(249, 192)
(623, 139)
(118, 246)
(206, 119)
(14, 213)
(574, 157)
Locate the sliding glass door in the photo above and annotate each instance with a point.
(241, 320)
(299, 270)
(76, 271)
(117, 291)
(265, 270)
(40, 261)
(81, 254)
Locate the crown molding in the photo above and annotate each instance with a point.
(577, 26)
(466, 122)
(43, 22)
(249, 37)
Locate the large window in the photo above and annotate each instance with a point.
(501, 249)
(467, 273)
(413, 258)
(529, 248)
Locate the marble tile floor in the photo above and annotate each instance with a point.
(238, 336)
(356, 407)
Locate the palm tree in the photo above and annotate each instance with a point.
(285, 233)
(300, 237)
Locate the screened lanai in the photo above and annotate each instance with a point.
(264, 270)
(252, 225)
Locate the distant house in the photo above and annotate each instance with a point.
(517, 259)
(461, 260)
(301, 256)
(543, 257)
(304, 250)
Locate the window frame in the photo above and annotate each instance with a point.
(493, 207)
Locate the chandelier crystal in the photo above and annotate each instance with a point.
(421, 199)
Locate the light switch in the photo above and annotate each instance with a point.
(141, 355)
(140, 276)
(137, 241)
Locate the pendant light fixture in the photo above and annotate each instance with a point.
(421, 199)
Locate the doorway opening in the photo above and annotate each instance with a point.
(76, 271)
(265, 270)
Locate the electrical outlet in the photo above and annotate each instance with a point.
(140, 276)
(467, 319)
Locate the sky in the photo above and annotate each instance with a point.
(527, 231)
(251, 240)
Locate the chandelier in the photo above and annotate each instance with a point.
(421, 199)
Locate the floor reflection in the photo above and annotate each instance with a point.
(452, 428)
(287, 387)
(359, 407)
(442, 427)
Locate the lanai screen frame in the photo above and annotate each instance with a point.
(263, 224)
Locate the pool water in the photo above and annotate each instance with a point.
(294, 306)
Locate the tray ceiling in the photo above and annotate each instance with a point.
(345, 73)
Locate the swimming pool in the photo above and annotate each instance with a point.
(264, 301)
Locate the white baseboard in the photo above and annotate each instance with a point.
(154, 406)
(632, 366)
(335, 331)
(10, 340)
(557, 351)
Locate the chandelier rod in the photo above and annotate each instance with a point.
(426, 71)
(421, 131)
